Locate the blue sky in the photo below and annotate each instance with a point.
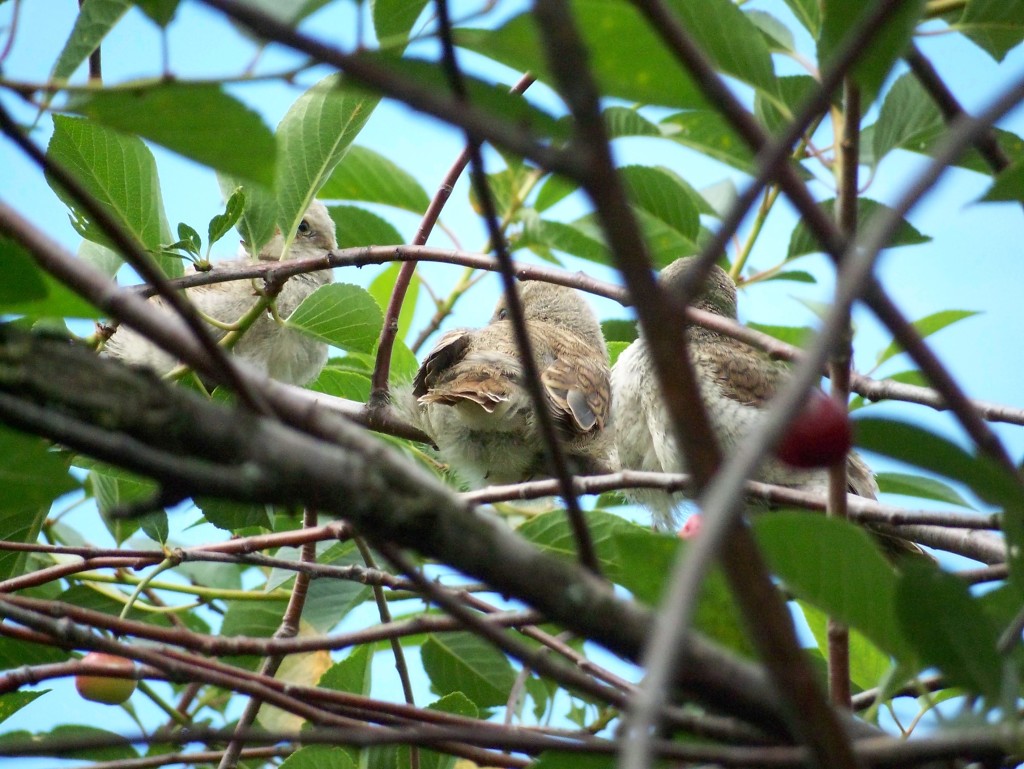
(975, 261)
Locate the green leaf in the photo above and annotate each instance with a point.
(553, 190)
(707, 132)
(370, 177)
(12, 702)
(777, 36)
(551, 533)
(312, 138)
(20, 278)
(318, 757)
(162, 12)
(381, 289)
(868, 665)
(32, 476)
(95, 19)
(221, 224)
(578, 239)
(259, 217)
(118, 749)
(658, 192)
(910, 120)
(619, 330)
(834, 565)
(553, 759)
(329, 601)
(358, 227)
(115, 488)
(643, 562)
(1008, 185)
(887, 45)
(199, 121)
(15, 653)
(120, 173)
(948, 629)
(393, 20)
(189, 239)
(340, 314)
(463, 662)
(342, 384)
(926, 327)
(352, 674)
(455, 703)
(623, 121)
(794, 90)
(996, 26)
(919, 486)
(808, 13)
(232, 516)
(257, 619)
(802, 242)
(794, 335)
(917, 446)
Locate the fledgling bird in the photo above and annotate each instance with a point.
(471, 398)
(282, 353)
(736, 383)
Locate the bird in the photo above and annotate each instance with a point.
(736, 383)
(282, 353)
(471, 398)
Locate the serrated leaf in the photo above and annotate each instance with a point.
(634, 64)
(551, 533)
(352, 674)
(232, 516)
(370, 177)
(707, 132)
(808, 13)
(318, 757)
(95, 19)
(221, 224)
(657, 192)
(802, 242)
(357, 227)
(577, 239)
(119, 171)
(312, 138)
(114, 489)
(463, 662)
(644, 560)
(948, 629)
(198, 121)
(996, 26)
(919, 486)
(835, 565)
(340, 314)
(926, 327)
(382, 287)
(886, 46)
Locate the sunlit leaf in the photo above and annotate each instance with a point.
(340, 314)
(802, 242)
(199, 121)
(370, 177)
(95, 19)
(926, 327)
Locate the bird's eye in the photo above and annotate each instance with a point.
(304, 228)
(502, 314)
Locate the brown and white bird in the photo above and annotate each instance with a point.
(282, 353)
(736, 382)
(471, 398)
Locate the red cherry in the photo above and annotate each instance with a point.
(819, 436)
(691, 527)
(105, 689)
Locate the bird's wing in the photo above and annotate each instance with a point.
(454, 373)
(742, 373)
(578, 387)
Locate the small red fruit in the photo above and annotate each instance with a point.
(819, 436)
(691, 527)
(108, 690)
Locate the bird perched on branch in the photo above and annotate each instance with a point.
(471, 397)
(282, 353)
(736, 383)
